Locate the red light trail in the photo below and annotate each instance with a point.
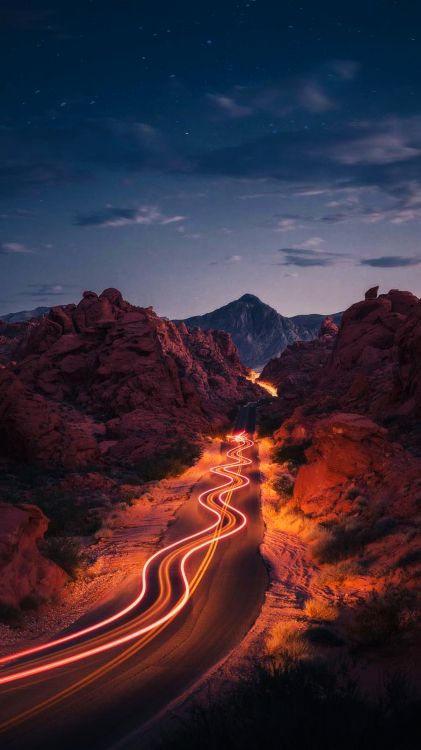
(229, 520)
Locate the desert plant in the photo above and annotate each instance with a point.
(9, 615)
(303, 708)
(169, 464)
(267, 425)
(31, 602)
(285, 645)
(65, 552)
(320, 609)
(382, 618)
(293, 453)
(341, 542)
(284, 485)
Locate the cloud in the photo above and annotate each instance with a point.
(228, 105)
(381, 148)
(314, 92)
(391, 261)
(228, 260)
(310, 253)
(47, 290)
(312, 243)
(287, 224)
(14, 248)
(119, 217)
(304, 261)
(313, 98)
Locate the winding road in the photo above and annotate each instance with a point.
(98, 684)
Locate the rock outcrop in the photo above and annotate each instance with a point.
(24, 572)
(348, 408)
(301, 363)
(105, 381)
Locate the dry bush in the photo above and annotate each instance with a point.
(335, 575)
(342, 542)
(320, 609)
(284, 486)
(286, 645)
(65, 552)
(383, 618)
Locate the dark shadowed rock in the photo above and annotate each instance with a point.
(372, 293)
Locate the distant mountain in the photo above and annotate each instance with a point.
(259, 331)
(18, 317)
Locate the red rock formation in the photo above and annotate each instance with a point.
(105, 380)
(23, 570)
(300, 365)
(352, 402)
(372, 366)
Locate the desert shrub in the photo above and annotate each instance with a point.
(9, 615)
(31, 602)
(320, 609)
(307, 707)
(284, 485)
(67, 517)
(337, 574)
(323, 636)
(286, 645)
(173, 462)
(383, 618)
(293, 453)
(65, 552)
(342, 542)
(267, 424)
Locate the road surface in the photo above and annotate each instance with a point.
(96, 685)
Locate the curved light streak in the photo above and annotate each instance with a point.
(227, 490)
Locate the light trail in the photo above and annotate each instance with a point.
(190, 545)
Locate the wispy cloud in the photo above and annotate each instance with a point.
(310, 253)
(392, 261)
(120, 217)
(314, 92)
(229, 106)
(287, 224)
(14, 248)
(228, 260)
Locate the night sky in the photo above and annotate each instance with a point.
(189, 152)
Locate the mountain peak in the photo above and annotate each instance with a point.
(250, 298)
(258, 330)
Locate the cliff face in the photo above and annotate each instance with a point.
(258, 330)
(106, 381)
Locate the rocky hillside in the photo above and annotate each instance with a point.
(105, 381)
(259, 331)
(22, 315)
(348, 447)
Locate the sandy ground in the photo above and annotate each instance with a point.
(129, 537)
